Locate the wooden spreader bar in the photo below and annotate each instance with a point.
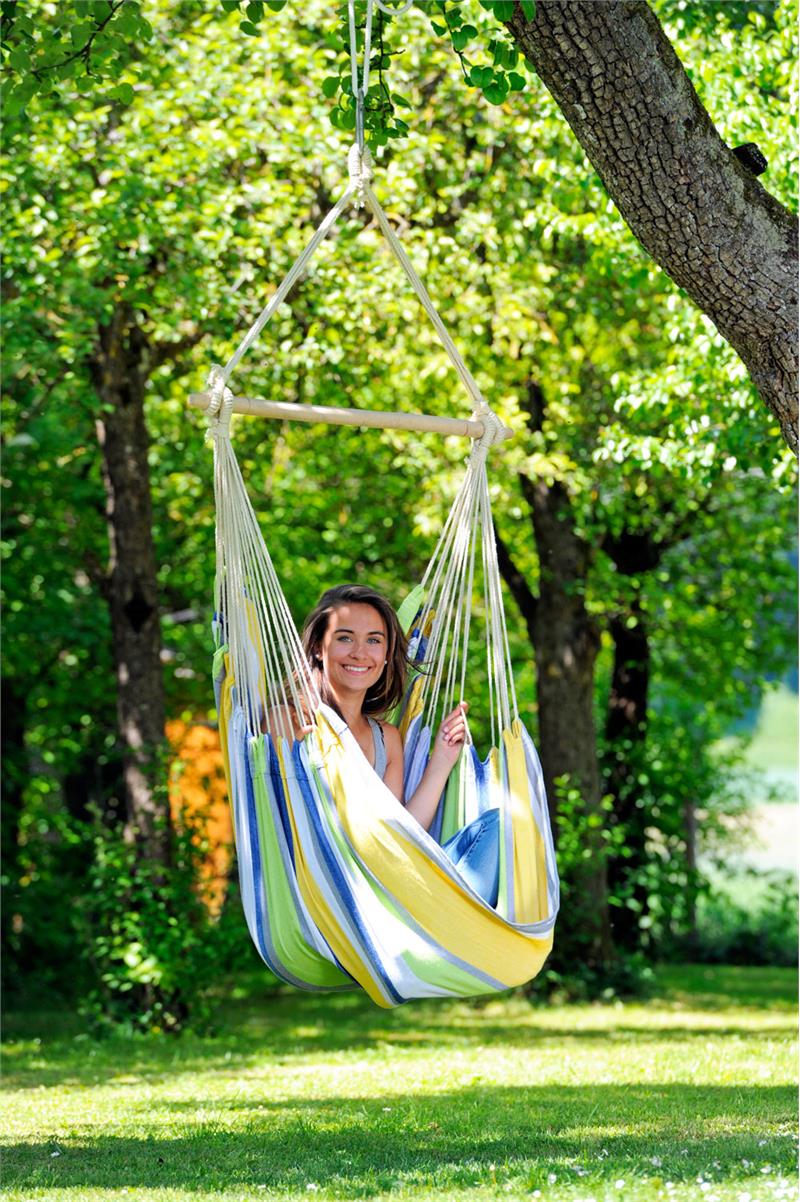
(284, 411)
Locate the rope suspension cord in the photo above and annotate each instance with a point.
(483, 420)
(280, 674)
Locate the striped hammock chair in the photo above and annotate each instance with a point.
(341, 886)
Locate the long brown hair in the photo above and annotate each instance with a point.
(389, 688)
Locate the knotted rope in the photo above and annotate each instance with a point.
(220, 406)
(359, 165)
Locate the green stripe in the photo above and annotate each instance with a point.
(302, 960)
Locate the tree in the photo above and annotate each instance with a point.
(694, 206)
(173, 216)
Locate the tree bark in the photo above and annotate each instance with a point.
(626, 733)
(565, 641)
(118, 370)
(693, 206)
(566, 646)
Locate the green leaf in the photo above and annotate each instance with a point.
(497, 90)
(80, 35)
(276, 5)
(16, 101)
(528, 9)
(20, 60)
(250, 29)
(516, 82)
(230, 6)
(479, 77)
(123, 92)
(255, 11)
(330, 86)
(440, 29)
(460, 39)
(127, 21)
(503, 10)
(401, 100)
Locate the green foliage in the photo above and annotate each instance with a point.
(732, 930)
(499, 78)
(154, 951)
(80, 44)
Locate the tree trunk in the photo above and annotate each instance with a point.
(565, 641)
(693, 206)
(566, 646)
(118, 371)
(626, 732)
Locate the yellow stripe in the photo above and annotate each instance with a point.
(530, 874)
(320, 911)
(413, 708)
(466, 928)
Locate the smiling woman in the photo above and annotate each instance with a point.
(358, 656)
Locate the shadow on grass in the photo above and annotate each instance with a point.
(291, 1026)
(452, 1139)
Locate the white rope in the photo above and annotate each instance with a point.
(464, 374)
(294, 273)
(269, 665)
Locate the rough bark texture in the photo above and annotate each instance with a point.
(693, 206)
(118, 371)
(626, 732)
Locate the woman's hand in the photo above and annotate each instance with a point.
(451, 736)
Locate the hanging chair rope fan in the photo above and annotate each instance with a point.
(340, 885)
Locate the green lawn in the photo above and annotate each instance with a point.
(688, 1096)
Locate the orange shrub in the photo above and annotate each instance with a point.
(198, 793)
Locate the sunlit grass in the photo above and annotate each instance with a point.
(690, 1095)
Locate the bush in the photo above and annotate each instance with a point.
(730, 931)
(154, 946)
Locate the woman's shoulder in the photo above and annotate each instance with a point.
(392, 736)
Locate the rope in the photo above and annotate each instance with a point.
(268, 662)
(220, 407)
(359, 164)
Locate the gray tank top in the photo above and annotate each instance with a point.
(380, 746)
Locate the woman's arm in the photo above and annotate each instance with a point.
(446, 750)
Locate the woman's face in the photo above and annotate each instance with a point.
(354, 648)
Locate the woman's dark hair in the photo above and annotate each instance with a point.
(389, 688)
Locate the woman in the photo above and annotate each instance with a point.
(358, 656)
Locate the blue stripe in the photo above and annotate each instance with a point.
(340, 885)
(259, 890)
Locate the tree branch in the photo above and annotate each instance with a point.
(693, 206)
(517, 584)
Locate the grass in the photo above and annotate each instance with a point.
(689, 1095)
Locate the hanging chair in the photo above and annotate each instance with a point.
(341, 886)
